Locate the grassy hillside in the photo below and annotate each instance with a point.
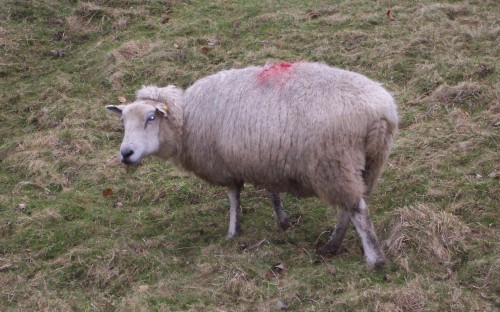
(77, 232)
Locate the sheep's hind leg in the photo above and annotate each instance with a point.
(364, 226)
(281, 216)
(233, 193)
(333, 245)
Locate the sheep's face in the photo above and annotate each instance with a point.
(141, 121)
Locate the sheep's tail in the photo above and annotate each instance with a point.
(378, 145)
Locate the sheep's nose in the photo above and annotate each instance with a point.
(126, 153)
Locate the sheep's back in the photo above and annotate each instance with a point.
(271, 126)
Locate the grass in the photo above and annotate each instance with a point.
(158, 241)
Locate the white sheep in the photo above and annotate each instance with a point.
(302, 128)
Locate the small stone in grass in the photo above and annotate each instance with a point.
(281, 305)
(20, 207)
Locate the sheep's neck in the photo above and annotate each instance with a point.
(182, 158)
(170, 143)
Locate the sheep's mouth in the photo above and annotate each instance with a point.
(132, 167)
(129, 162)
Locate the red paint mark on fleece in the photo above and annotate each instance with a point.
(275, 70)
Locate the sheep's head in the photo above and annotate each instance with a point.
(153, 124)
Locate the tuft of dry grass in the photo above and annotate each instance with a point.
(452, 11)
(88, 12)
(466, 94)
(420, 231)
(120, 59)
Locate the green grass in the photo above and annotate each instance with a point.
(158, 242)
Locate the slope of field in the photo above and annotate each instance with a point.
(77, 232)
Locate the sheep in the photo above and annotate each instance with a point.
(303, 128)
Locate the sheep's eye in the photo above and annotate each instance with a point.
(151, 118)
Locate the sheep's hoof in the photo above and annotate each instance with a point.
(232, 235)
(282, 220)
(284, 223)
(331, 249)
(377, 265)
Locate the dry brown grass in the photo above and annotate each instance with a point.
(90, 17)
(420, 231)
(466, 94)
(121, 58)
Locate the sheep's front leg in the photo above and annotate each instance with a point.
(335, 242)
(281, 216)
(233, 193)
(364, 226)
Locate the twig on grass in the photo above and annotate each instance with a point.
(111, 260)
(5, 267)
(256, 246)
(317, 240)
(310, 258)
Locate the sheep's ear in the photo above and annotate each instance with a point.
(162, 109)
(115, 108)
